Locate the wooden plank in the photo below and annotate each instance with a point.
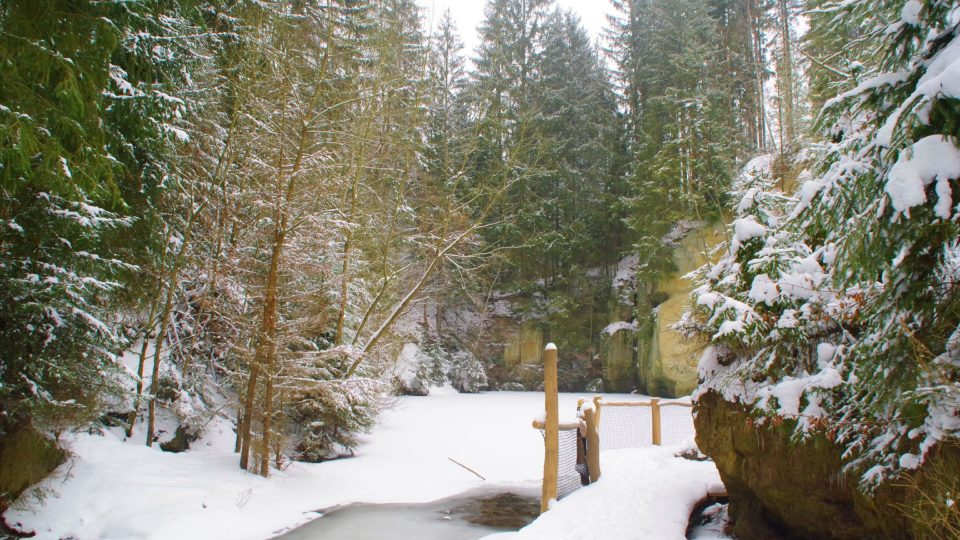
(562, 426)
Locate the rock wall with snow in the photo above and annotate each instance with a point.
(615, 334)
(784, 488)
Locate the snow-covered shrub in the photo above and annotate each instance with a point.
(435, 360)
(467, 373)
(840, 308)
(332, 413)
(436, 363)
(326, 410)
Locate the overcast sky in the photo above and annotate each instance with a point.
(468, 14)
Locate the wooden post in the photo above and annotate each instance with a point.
(597, 400)
(590, 416)
(655, 420)
(551, 432)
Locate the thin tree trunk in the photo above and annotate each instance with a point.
(165, 321)
(786, 78)
(266, 342)
(757, 45)
(154, 304)
(348, 241)
(267, 419)
(268, 326)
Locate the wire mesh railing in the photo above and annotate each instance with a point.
(572, 449)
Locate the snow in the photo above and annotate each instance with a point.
(883, 79)
(931, 158)
(910, 14)
(626, 272)
(643, 493)
(789, 391)
(618, 326)
(944, 207)
(803, 280)
(809, 190)
(764, 290)
(114, 488)
(942, 75)
(825, 352)
(745, 229)
(502, 308)
(407, 363)
(909, 461)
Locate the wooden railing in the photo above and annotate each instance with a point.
(588, 425)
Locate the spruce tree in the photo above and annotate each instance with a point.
(578, 136)
(90, 115)
(849, 293)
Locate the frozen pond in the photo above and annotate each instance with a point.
(463, 517)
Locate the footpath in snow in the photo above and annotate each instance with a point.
(116, 489)
(643, 494)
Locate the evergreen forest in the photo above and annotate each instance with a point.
(288, 212)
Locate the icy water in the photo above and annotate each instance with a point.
(464, 517)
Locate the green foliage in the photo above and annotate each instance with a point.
(328, 410)
(687, 73)
(548, 131)
(87, 114)
(849, 293)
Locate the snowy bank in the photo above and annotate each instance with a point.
(113, 488)
(644, 494)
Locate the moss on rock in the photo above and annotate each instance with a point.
(781, 488)
(26, 457)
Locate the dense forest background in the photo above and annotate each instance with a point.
(261, 202)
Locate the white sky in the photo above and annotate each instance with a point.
(468, 14)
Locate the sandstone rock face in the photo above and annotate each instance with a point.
(607, 318)
(781, 489)
(619, 361)
(524, 345)
(669, 366)
(26, 457)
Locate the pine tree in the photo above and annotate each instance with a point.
(850, 293)
(578, 138)
(502, 102)
(90, 117)
(685, 139)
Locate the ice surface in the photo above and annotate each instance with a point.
(114, 488)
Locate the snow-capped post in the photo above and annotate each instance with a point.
(655, 420)
(591, 418)
(551, 429)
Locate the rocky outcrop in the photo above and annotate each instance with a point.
(608, 326)
(785, 489)
(26, 457)
(668, 363)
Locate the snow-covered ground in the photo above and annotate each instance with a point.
(112, 489)
(643, 494)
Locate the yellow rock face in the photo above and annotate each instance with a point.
(524, 346)
(672, 354)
